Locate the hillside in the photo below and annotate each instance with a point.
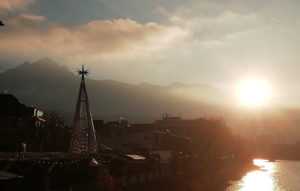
(51, 86)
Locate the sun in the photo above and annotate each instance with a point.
(254, 93)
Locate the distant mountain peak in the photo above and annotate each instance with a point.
(52, 86)
(46, 61)
(43, 69)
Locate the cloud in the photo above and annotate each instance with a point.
(34, 18)
(23, 21)
(13, 4)
(219, 28)
(29, 36)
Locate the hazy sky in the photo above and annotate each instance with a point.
(161, 41)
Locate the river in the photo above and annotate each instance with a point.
(270, 176)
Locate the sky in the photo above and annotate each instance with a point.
(214, 42)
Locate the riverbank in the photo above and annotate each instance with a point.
(217, 180)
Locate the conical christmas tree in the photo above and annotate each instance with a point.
(83, 138)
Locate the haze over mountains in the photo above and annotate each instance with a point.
(53, 87)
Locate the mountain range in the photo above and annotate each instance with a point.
(53, 87)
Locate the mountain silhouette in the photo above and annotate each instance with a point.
(53, 87)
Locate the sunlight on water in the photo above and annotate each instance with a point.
(263, 164)
(258, 180)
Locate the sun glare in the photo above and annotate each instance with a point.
(253, 93)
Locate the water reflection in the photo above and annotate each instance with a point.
(258, 180)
